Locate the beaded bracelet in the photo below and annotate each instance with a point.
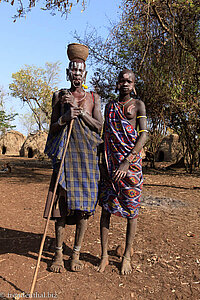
(60, 122)
(131, 156)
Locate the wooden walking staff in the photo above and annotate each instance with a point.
(50, 210)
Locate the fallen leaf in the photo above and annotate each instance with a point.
(190, 234)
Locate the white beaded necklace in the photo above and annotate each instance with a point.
(79, 100)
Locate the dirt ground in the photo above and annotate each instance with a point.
(166, 260)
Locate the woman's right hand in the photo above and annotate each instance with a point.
(68, 98)
(73, 111)
(71, 114)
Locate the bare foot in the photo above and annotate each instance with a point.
(126, 266)
(121, 249)
(76, 264)
(57, 265)
(104, 262)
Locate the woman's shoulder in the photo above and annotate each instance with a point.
(139, 103)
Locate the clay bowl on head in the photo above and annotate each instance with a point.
(77, 51)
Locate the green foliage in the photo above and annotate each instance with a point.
(62, 6)
(35, 87)
(159, 40)
(5, 119)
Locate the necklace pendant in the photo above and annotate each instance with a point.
(124, 102)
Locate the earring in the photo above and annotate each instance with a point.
(67, 74)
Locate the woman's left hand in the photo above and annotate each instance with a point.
(121, 172)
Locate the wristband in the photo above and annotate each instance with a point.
(82, 113)
(131, 156)
(60, 122)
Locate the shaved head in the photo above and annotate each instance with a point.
(127, 71)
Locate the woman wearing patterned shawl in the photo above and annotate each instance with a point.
(120, 188)
(76, 195)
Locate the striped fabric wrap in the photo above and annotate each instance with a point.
(120, 198)
(80, 171)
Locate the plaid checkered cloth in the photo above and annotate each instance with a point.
(120, 198)
(80, 171)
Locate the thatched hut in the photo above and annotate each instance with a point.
(34, 145)
(11, 142)
(170, 149)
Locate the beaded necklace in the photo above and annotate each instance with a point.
(122, 104)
